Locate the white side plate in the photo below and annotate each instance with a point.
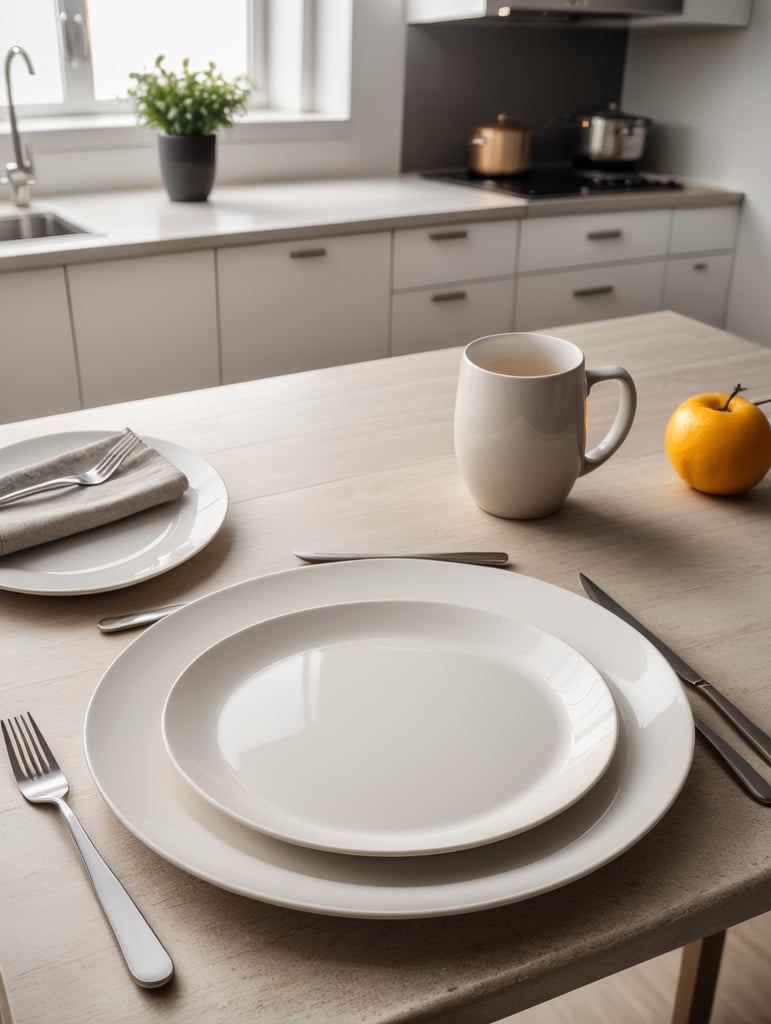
(390, 728)
(128, 760)
(125, 552)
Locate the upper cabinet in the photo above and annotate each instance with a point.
(642, 15)
(702, 14)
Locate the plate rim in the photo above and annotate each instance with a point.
(12, 579)
(315, 836)
(220, 856)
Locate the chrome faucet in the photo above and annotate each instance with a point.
(19, 172)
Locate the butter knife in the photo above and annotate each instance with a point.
(494, 558)
(754, 735)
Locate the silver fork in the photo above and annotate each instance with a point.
(110, 462)
(42, 781)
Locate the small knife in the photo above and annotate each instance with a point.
(754, 735)
(494, 558)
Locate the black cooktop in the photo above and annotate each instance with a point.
(545, 182)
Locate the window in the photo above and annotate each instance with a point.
(83, 51)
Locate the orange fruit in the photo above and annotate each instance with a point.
(719, 443)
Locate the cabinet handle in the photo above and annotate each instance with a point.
(595, 236)
(602, 289)
(700, 266)
(304, 254)
(448, 296)
(445, 236)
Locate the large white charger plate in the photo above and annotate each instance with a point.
(391, 728)
(128, 760)
(126, 552)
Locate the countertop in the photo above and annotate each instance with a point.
(360, 457)
(144, 222)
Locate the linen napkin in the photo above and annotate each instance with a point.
(144, 480)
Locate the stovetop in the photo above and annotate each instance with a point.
(556, 181)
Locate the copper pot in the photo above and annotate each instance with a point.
(500, 148)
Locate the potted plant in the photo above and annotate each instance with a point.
(188, 108)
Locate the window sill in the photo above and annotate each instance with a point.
(120, 131)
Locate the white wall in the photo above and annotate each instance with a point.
(709, 93)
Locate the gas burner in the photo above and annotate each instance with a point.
(560, 181)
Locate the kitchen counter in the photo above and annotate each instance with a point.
(144, 221)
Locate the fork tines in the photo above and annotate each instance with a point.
(28, 752)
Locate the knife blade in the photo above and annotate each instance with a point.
(492, 558)
(754, 735)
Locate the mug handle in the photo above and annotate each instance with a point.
(622, 424)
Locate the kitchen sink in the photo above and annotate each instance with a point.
(36, 225)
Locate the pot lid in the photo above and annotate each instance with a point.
(504, 123)
(612, 113)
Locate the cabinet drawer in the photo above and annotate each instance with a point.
(698, 287)
(703, 229)
(579, 295)
(454, 252)
(444, 317)
(290, 306)
(593, 238)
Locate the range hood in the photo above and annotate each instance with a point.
(537, 10)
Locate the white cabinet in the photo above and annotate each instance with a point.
(145, 326)
(701, 13)
(39, 374)
(590, 267)
(452, 283)
(552, 242)
(698, 273)
(596, 293)
(292, 306)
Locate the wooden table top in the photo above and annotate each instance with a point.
(360, 457)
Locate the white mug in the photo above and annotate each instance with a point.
(521, 421)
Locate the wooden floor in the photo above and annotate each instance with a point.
(644, 994)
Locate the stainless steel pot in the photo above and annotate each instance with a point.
(500, 148)
(610, 135)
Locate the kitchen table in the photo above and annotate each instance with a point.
(360, 458)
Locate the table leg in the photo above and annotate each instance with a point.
(698, 979)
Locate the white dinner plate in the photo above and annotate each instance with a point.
(391, 728)
(118, 554)
(128, 760)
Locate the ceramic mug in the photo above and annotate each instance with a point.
(521, 421)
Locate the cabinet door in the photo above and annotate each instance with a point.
(454, 315)
(698, 287)
(551, 242)
(290, 306)
(701, 229)
(39, 375)
(576, 296)
(454, 252)
(145, 326)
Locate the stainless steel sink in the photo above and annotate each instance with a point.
(36, 225)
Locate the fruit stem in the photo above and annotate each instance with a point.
(733, 394)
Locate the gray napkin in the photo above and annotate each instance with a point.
(145, 479)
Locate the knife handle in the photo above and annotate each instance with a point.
(754, 783)
(754, 735)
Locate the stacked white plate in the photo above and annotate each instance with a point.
(390, 738)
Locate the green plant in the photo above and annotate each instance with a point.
(189, 103)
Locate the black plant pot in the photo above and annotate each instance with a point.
(188, 163)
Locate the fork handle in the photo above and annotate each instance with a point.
(148, 962)
(26, 492)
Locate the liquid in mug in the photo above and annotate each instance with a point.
(522, 366)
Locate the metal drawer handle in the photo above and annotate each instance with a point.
(700, 266)
(448, 296)
(446, 236)
(602, 289)
(597, 235)
(304, 254)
